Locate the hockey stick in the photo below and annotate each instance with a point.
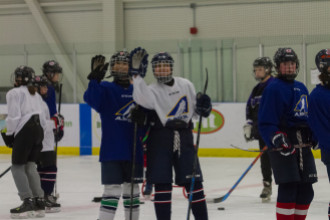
(56, 142)
(4, 172)
(192, 183)
(239, 148)
(273, 149)
(223, 198)
(133, 171)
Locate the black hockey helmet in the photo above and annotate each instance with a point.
(23, 75)
(120, 56)
(322, 60)
(162, 57)
(39, 81)
(283, 55)
(265, 62)
(50, 67)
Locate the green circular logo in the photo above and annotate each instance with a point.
(211, 124)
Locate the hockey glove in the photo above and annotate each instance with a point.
(138, 62)
(138, 116)
(203, 105)
(247, 128)
(8, 139)
(98, 68)
(281, 141)
(59, 126)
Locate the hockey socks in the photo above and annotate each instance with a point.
(48, 178)
(163, 200)
(127, 201)
(198, 204)
(285, 211)
(329, 211)
(109, 202)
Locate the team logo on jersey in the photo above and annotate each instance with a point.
(181, 108)
(123, 113)
(301, 108)
(211, 124)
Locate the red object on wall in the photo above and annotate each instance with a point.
(193, 30)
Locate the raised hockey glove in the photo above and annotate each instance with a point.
(203, 105)
(138, 116)
(8, 139)
(138, 62)
(98, 68)
(59, 126)
(281, 141)
(247, 128)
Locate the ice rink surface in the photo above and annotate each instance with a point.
(79, 182)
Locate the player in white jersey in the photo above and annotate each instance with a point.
(25, 124)
(172, 102)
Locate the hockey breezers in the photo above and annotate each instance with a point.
(223, 198)
(193, 176)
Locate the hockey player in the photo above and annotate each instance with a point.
(319, 105)
(46, 160)
(47, 166)
(282, 121)
(170, 143)
(25, 123)
(262, 68)
(113, 101)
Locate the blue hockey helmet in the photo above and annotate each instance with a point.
(161, 74)
(284, 55)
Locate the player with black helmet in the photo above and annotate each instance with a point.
(25, 124)
(172, 102)
(319, 104)
(47, 165)
(282, 120)
(262, 69)
(114, 102)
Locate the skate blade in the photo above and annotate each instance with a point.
(40, 214)
(265, 200)
(53, 210)
(24, 215)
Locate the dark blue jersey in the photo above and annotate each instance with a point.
(283, 106)
(51, 100)
(113, 103)
(319, 117)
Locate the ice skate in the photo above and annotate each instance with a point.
(266, 192)
(39, 207)
(50, 204)
(26, 210)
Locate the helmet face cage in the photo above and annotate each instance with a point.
(23, 75)
(284, 55)
(119, 65)
(162, 67)
(264, 62)
(50, 68)
(322, 60)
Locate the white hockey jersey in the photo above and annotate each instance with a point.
(170, 102)
(49, 139)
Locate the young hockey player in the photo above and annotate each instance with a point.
(319, 105)
(47, 166)
(282, 121)
(46, 160)
(170, 143)
(113, 101)
(25, 123)
(262, 68)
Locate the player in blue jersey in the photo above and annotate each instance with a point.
(47, 166)
(173, 103)
(283, 115)
(262, 68)
(319, 105)
(114, 102)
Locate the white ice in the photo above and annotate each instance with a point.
(79, 182)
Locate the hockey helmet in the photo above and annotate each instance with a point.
(23, 75)
(50, 67)
(265, 62)
(322, 60)
(160, 63)
(121, 73)
(284, 55)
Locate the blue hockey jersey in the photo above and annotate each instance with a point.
(51, 100)
(319, 117)
(283, 105)
(114, 103)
